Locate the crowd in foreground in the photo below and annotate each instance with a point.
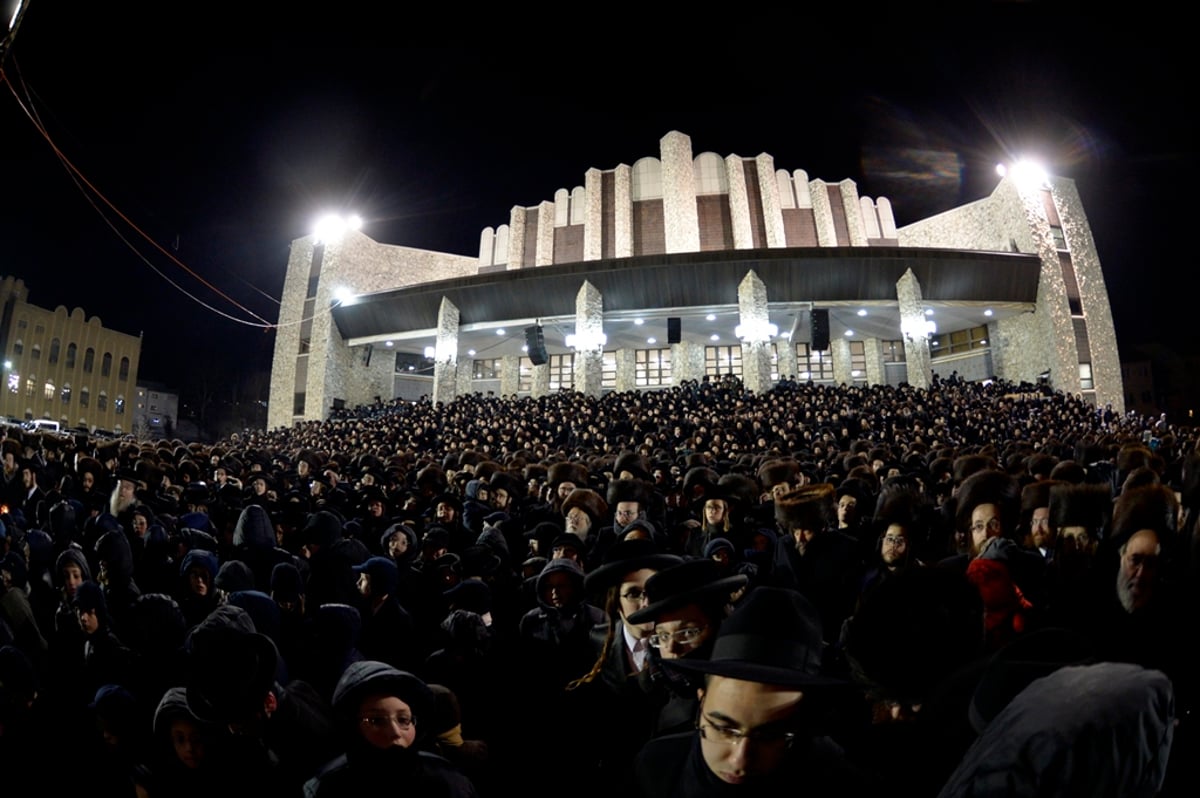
(975, 589)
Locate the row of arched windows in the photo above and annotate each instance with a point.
(89, 358)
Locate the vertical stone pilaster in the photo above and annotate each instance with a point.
(839, 350)
(876, 372)
(822, 213)
(593, 215)
(912, 316)
(687, 362)
(680, 218)
(465, 378)
(787, 357)
(853, 211)
(772, 211)
(516, 237)
(754, 316)
(541, 381)
(627, 369)
(510, 375)
(739, 203)
(589, 328)
(445, 356)
(545, 235)
(623, 211)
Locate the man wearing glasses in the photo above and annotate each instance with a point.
(753, 732)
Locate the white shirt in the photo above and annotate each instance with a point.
(638, 649)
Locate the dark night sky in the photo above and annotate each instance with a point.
(231, 144)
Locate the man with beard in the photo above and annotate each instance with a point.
(582, 512)
(820, 563)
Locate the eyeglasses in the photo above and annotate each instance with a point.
(689, 635)
(636, 595)
(899, 541)
(986, 526)
(727, 735)
(382, 722)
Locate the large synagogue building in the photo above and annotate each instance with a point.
(685, 265)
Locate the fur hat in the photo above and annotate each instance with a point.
(1150, 507)
(587, 500)
(632, 462)
(574, 473)
(990, 487)
(775, 472)
(809, 507)
(1080, 505)
(628, 490)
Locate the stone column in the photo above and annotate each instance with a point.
(839, 350)
(854, 215)
(593, 214)
(756, 338)
(516, 237)
(772, 212)
(876, 371)
(589, 339)
(739, 203)
(912, 327)
(445, 354)
(627, 369)
(545, 235)
(510, 375)
(822, 214)
(681, 221)
(623, 211)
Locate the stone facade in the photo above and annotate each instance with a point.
(741, 204)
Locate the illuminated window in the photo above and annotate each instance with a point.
(813, 365)
(525, 376)
(1085, 377)
(858, 361)
(487, 369)
(608, 371)
(652, 368)
(958, 342)
(66, 393)
(14, 383)
(893, 351)
(29, 384)
(49, 391)
(720, 360)
(562, 372)
(119, 405)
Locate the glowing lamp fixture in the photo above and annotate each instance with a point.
(582, 342)
(331, 227)
(756, 332)
(918, 329)
(1027, 173)
(343, 295)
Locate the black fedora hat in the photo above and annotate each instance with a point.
(624, 557)
(689, 582)
(773, 637)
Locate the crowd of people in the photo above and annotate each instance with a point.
(981, 588)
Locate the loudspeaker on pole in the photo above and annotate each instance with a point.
(535, 342)
(674, 330)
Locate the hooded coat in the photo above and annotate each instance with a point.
(363, 768)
